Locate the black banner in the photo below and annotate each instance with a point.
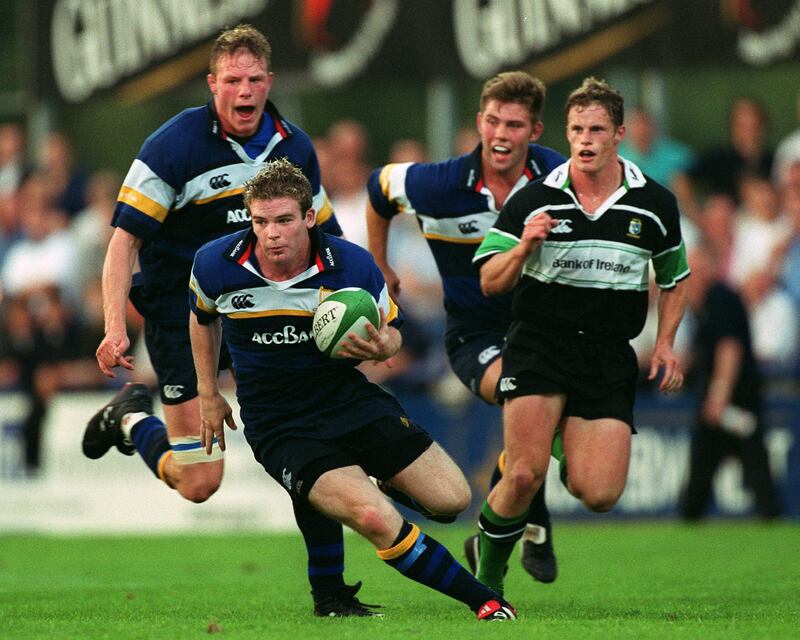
(142, 46)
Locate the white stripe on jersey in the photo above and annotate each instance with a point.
(471, 227)
(144, 180)
(393, 185)
(592, 264)
(226, 179)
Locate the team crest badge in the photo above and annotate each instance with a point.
(635, 228)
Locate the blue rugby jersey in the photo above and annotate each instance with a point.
(455, 210)
(185, 188)
(283, 381)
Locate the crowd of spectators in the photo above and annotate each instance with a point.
(740, 197)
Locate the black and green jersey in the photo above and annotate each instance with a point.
(591, 273)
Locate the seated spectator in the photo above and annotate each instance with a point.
(658, 156)
(13, 166)
(347, 142)
(66, 181)
(718, 170)
(46, 256)
(787, 153)
(91, 228)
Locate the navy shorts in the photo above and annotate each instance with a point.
(381, 448)
(170, 350)
(471, 354)
(597, 376)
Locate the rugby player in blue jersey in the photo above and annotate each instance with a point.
(315, 423)
(456, 202)
(576, 248)
(183, 189)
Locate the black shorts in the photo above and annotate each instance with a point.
(471, 354)
(381, 448)
(597, 376)
(170, 350)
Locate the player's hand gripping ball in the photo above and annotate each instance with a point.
(342, 312)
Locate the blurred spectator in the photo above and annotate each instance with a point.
(718, 170)
(12, 158)
(787, 153)
(46, 256)
(91, 228)
(10, 228)
(67, 182)
(725, 375)
(759, 228)
(760, 233)
(658, 156)
(44, 348)
(347, 145)
(407, 150)
(467, 138)
(788, 261)
(717, 226)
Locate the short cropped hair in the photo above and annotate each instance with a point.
(242, 36)
(516, 86)
(279, 179)
(600, 92)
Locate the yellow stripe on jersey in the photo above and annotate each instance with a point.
(325, 212)
(141, 202)
(270, 312)
(219, 196)
(436, 236)
(393, 311)
(400, 548)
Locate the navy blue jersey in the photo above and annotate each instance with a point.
(284, 382)
(455, 210)
(185, 188)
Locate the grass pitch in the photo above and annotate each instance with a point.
(617, 580)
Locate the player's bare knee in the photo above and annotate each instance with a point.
(198, 489)
(370, 521)
(522, 479)
(599, 500)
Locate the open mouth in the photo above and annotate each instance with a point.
(586, 154)
(501, 149)
(246, 111)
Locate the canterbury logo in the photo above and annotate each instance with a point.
(508, 384)
(220, 181)
(470, 226)
(243, 301)
(173, 391)
(563, 226)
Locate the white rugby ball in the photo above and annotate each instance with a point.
(344, 311)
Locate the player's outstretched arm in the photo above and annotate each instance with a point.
(123, 248)
(215, 411)
(378, 241)
(671, 305)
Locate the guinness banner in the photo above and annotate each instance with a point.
(141, 47)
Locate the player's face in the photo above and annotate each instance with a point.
(593, 138)
(240, 87)
(282, 232)
(506, 129)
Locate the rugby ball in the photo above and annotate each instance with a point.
(342, 312)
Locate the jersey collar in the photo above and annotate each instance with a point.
(633, 178)
(324, 256)
(472, 177)
(280, 124)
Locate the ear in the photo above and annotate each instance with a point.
(211, 79)
(536, 131)
(310, 218)
(619, 134)
(478, 120)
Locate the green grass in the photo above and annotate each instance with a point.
(621, 580)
